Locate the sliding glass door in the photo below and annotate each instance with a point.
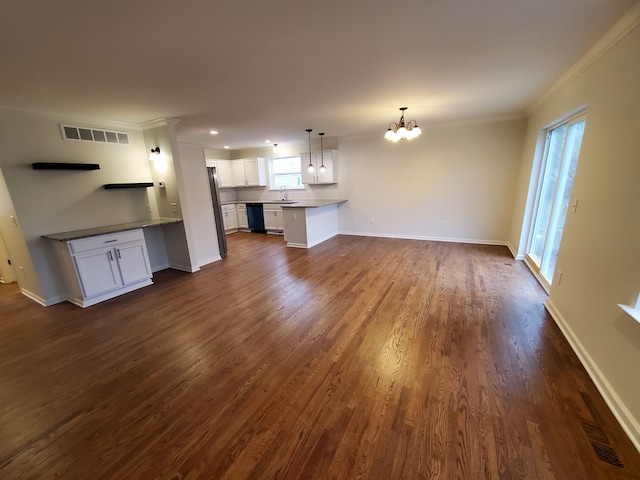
(554, 195)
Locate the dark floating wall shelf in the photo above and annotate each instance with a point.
(113, 186)
(65, 166)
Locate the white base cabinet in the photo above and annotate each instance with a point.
(273, 221)
(102, 267)
(243, 220)
(229, 218)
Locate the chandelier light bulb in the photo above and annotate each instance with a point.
(400, 130)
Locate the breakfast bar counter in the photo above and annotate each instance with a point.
(308, 223)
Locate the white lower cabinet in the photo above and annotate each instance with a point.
(104, 266)
(273, 218)
(229, 218)
(243, 220)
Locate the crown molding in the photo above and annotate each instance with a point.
(159, 122)
(475, 121)
(620, 30)
(66, 117)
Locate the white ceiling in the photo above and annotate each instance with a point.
(258, 69)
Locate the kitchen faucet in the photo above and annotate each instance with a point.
(285, 195)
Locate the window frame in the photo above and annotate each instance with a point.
(272, 175)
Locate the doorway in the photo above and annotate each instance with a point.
(557, 173)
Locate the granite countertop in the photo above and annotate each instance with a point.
(121, 227)
(313, 203)
(290, 203)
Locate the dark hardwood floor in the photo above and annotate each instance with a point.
(360, 358)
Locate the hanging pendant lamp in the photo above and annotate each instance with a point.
(310, 168)
(322, 167)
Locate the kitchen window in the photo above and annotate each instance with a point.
(285, 172)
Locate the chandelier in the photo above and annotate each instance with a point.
(400, 130)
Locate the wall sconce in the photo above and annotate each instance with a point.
(155, 153)
(400, 131)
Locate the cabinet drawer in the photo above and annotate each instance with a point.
(100, 241)
(228, 208)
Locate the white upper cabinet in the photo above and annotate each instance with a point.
(224, 172)
(330, 174)
(249, 172)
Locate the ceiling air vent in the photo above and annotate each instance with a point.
(94, 135)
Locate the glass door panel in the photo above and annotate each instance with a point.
(557, 175)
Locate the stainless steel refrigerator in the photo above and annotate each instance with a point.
(217, 211)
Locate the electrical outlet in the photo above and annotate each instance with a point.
(174, 207)
(148, 207)
(294, 217)
(13, 221)
(372, 220)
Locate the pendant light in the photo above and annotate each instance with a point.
(310, 167)
(400, 131)
(322, 167)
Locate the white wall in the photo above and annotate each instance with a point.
(599, 255)
(198, 198)
(452, 183)
(47, 201)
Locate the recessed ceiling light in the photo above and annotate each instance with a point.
(267, 141)
(226, 146)
(213, 132)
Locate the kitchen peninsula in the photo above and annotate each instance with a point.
(308, 223)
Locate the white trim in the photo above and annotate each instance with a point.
(541, 280)
(183, 268)
(67, 117)
(296, 245)
(514, 253)
(157, 268)
(620, 30)
(161, 122)
(209, 260)
(500, 243)
(38, 298)
(629, 424)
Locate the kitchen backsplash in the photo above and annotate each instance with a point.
(317, 192)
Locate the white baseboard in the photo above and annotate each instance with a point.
(501, 243)
(514, 253)
(209, 260)
(183, 268)
(38, 298)
(629, 424)
(157, 268)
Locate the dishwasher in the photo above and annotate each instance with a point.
(255, 217)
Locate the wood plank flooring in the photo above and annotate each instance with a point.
(361, 358)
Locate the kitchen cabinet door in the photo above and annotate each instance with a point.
(239, 177)
(243, 221)
(273, 218)
(330, 175)
(229, 217)
(133, 263)
(224, 172)
(97, 272)
(249, 172)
